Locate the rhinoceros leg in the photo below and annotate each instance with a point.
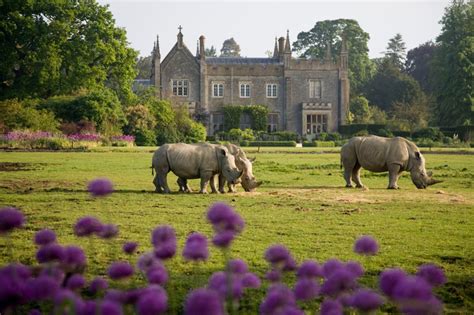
(156, 182)
(393, 173)
(212, 183)
(222, 182)
(356, 176)
(183, 185)
(205, 178)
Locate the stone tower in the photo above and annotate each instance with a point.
(156, 67)
(344, 82)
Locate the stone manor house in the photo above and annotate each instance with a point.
(306, 96)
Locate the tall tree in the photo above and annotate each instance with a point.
(51, 48)
(454, 68)
(396, 51)
(143, 67)
(418, 64)
(210, 52)
(313, 44)
(230, 48)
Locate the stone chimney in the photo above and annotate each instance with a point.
(202, 50)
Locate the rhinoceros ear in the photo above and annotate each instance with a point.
(223, 152)
(252, 159)
(418, 155)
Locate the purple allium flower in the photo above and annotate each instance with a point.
(45, 237)
(87, 226)
(41, 288)
(49, 253)
(10, 218)
(76, 281)
(157, 275)
(130, 247)
(219, 282)
(108, 231)
(74, 258)
(97, 285)
(224, 218)
(100, 187)
(66, 302)
(389, 279)
(163, 239)
(109, 307)
(116, 296)
(306, 289)
(412, 288)
(223, 238)
(11, 290)
(237, 266)
(432, 274)
(277, 254)
(278, 297)
(196, 247)
(89, 308)
(290, 264)
(152, 302)
(34, 312)
(366, 245)
(290, 310)
(54, 272)
(20, 271)
(203, 301)
(355, 268)
(250, 280)
(331, 307)
(147, 261)
(273, 275)
(309, 269)
(120, 270)
(338, 282)
(366, 300)
(330, 266)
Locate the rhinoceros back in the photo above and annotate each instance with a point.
(188, 160)
(375, 153)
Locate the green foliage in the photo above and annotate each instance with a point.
(280, 136)
(56, 48)
(99, 106)
(418, 64)
(395, 52)
(232, 116)
(259, 116)
(272, 143)
(230, 48)
(312, 44)
(24, 114)
(143, 67)
(140, 123)
(319, 143)
(188, 130)
(384, 133)
(414, 115)
(359, 106)
(389, 85)
(210, 52)
(453, 65)
(429, 133)
(350, 130)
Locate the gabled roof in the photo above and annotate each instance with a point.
(175, 49)
(242, 61)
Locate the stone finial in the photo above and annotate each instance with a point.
(180, 37)
(202, 49)
(281, 45)
(275, 50)
(287, 42)
(197, 48)
(328, 55)
(156, 47)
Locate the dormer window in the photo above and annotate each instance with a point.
(180, 87)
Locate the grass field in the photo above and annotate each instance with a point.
(301, 204)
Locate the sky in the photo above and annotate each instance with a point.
(255, 24)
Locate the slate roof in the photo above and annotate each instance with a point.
(242, 61)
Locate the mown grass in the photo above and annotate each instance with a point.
(301, 204)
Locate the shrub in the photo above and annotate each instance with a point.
(324, 144)
(17, 115)
(384, 133)
(361, 133)
(272, 143)
(429, 133)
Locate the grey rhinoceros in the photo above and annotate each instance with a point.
(247, 179)
(379, 154)
(189, 161)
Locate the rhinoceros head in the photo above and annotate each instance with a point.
(228, 167)
(419, 176)
(249, 183)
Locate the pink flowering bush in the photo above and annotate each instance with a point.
(59, 285)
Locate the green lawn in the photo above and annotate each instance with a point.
(301, 204)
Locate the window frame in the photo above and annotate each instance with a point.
(220, 89)
(177, 84)
(273, 90)
(247, 89)
(312, 84)
(317, 123)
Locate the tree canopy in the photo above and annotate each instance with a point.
(230, 48)
(313, 44)
(53, 48)
(453, 65)
(418, 64)
(396, 51)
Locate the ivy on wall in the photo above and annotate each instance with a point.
(257, 113)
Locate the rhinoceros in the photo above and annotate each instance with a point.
(379, 154)
(247, 179)
(188, 161)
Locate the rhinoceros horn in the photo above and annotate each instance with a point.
(259, 183)
(432, 181)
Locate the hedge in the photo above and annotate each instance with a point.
(271, 143)
(319, 144)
